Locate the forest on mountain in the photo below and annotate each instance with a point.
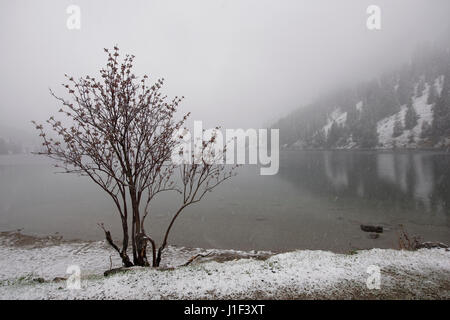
(408, 107)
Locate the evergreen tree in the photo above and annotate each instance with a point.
(387, 103)
(439, 116)
(365, 133)
(369, 138)
(432, 94)
(334, 133)
(398, 128)
(318, 140)
(441, 113)
(420, 88)
(405, 88)
(411, 138)
(411, 116)
(425, 130)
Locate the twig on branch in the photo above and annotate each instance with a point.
(195, 257)
(109, 238)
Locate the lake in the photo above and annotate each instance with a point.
(317, 200)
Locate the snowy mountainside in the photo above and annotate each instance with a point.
(406, 108)
(338, 117)
(410, 138)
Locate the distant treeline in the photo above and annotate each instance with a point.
(8, 147)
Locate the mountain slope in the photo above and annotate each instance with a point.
(407, 108)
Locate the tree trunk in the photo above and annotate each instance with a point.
(126, 260)
(141, 246)
(133, 238)
(164, 243)
(140, 243)
(158, 257)
(123, 254)
(154, 254)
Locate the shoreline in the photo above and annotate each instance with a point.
(377, 150)
(38, 271)
(345, 237)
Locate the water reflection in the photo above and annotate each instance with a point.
(410, 180)
(317, 201)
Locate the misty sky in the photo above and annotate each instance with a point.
(239, 63)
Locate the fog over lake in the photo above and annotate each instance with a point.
(317, 201)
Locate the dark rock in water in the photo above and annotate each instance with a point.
(374, 235)
(40, 280)
(368, 228)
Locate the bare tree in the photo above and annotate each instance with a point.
(122, 134)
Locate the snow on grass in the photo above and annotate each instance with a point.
(52, 261)
(298, 274)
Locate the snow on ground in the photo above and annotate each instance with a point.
(28, 257)
(299, 274)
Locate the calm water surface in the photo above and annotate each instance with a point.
(316, 201)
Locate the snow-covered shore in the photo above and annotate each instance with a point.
(28, 269)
